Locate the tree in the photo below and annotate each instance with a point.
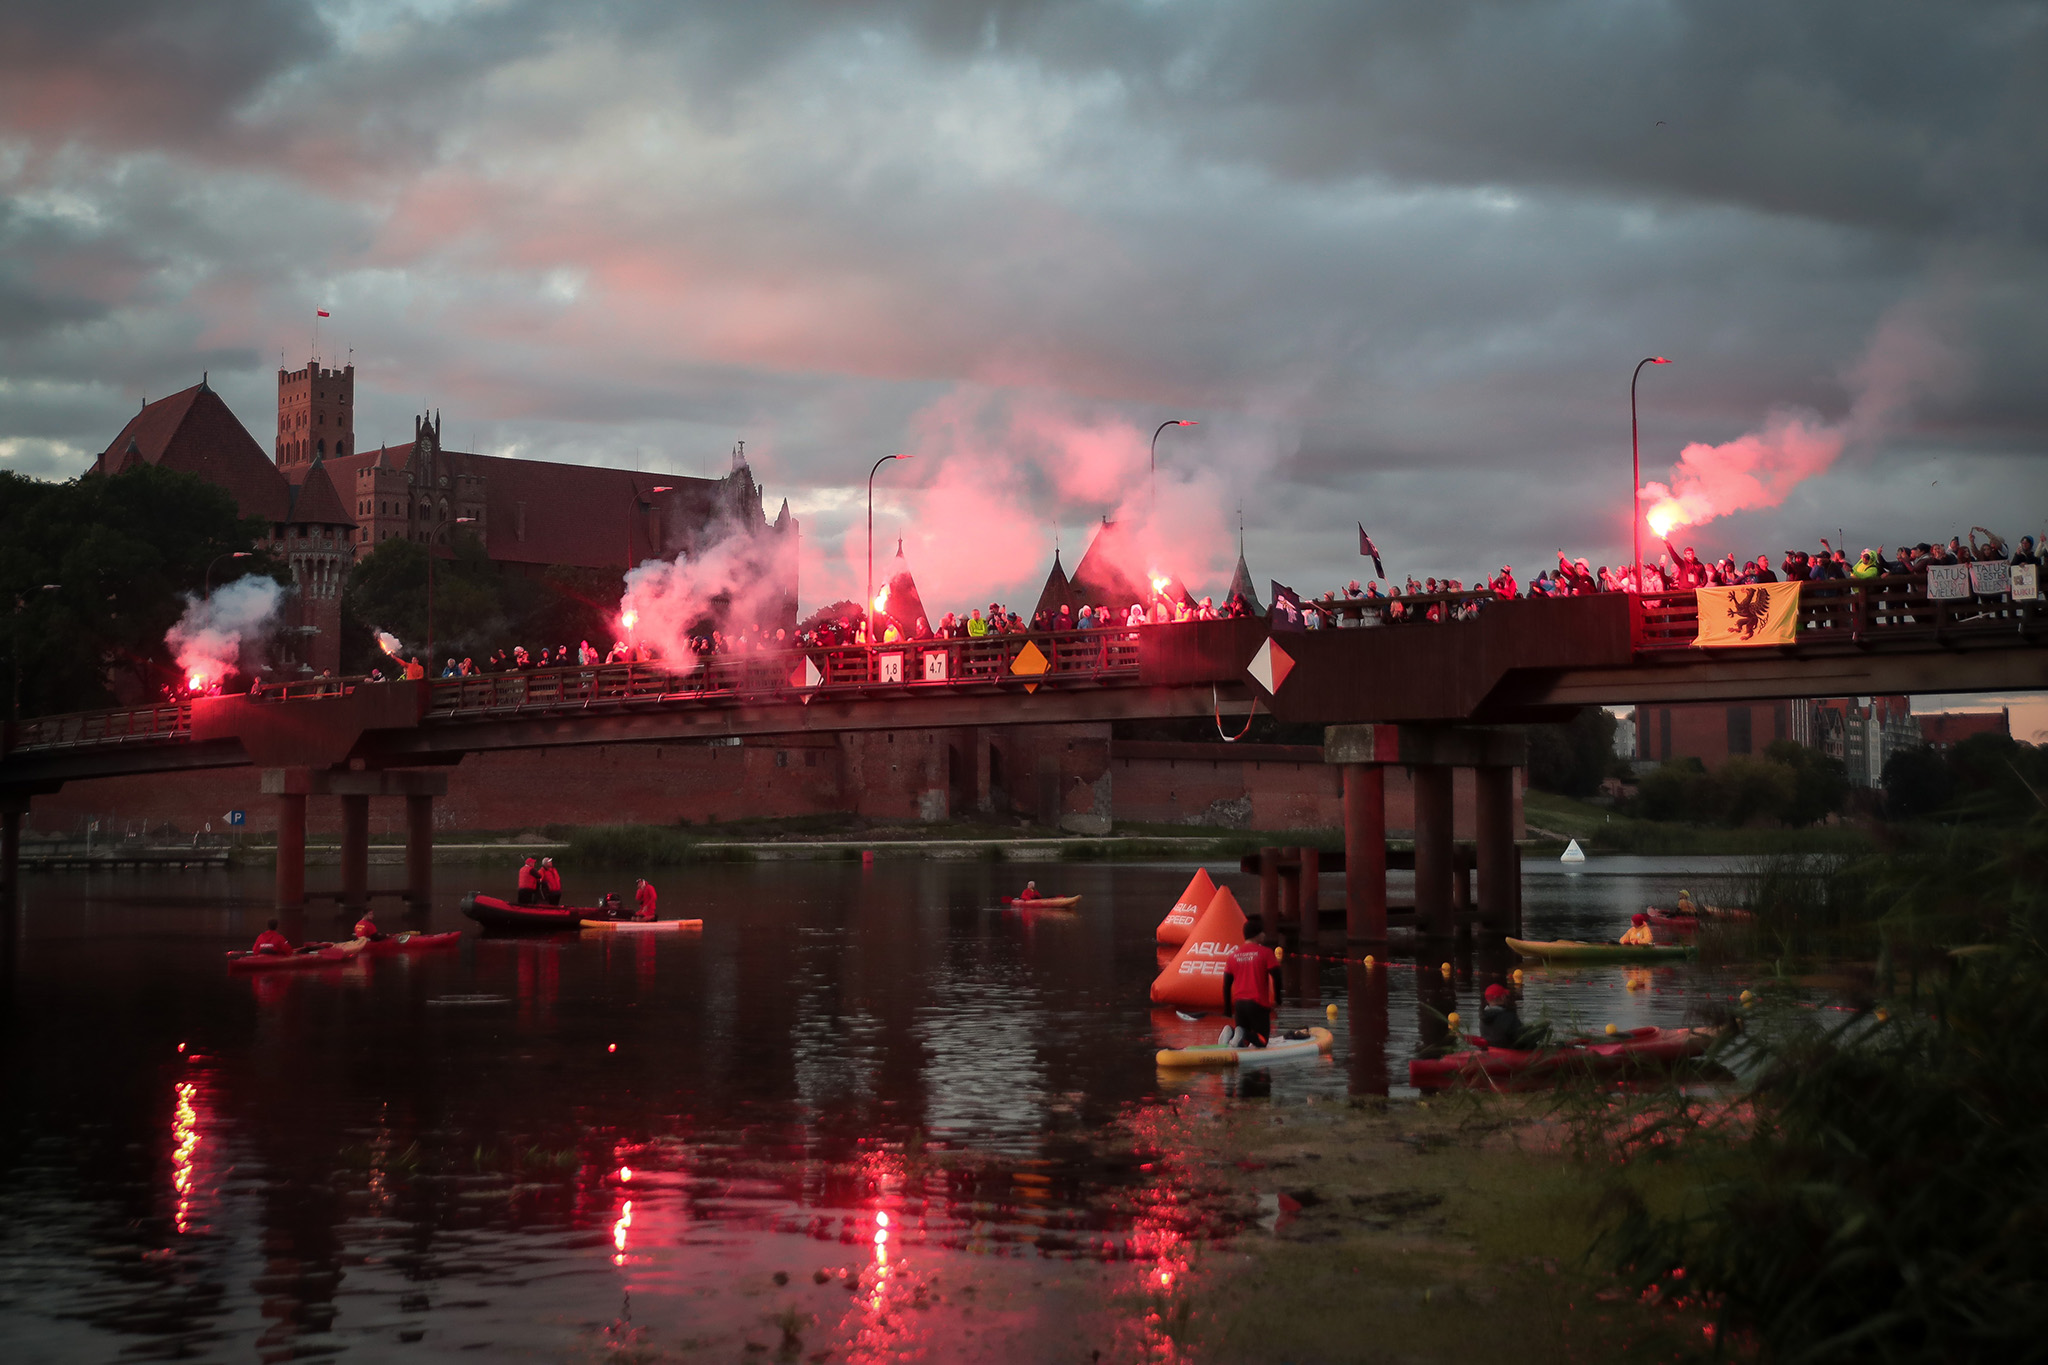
(1821, 785)
(1916, 782)
(1571, 759)
(123, 553)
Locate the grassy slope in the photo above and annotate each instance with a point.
(1600, 830)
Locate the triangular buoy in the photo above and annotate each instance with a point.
(1572, 853)
(1174, 928)
(1194, 979)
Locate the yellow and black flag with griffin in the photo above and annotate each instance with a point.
(1762, 614)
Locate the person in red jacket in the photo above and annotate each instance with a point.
(272, 943)
(529, 881)
(550, 882)
(1251, 987)
(366, 928)
(644, 897)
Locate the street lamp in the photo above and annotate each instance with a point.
(433, 538)
(1635, 491)
(639, 501)
(232, 554)
(1152, 486)
(14, 641)
(867, 601)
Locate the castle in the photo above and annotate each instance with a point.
(326, 501)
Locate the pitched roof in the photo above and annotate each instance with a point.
(1111, 574)
(194, 432)
(1055, 594)
(315, 503)
(905, 607)
(1241, 583)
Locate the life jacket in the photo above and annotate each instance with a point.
(551, 878)
(529, 875)
(366, 927)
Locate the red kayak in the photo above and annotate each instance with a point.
(493, 913)
(1671, 922)
(411, 942)
(1643, 1048)
(308, 955)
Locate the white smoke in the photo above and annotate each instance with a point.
(211, 638)
(737, 582)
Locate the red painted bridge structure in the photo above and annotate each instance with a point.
(1429, 696)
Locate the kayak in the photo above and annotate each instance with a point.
(493, 913)
(642, 926)
(1573, 950)
(409, 941)
(326, 955)
(1043, 903)
(1643, 1048)
(1276, 1049)
(1672, 922)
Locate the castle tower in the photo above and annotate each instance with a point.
(315, 416)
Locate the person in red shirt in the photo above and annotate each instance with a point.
(272, 943)
(550, 882)
(366, 928)
(644, 897)
(529, 881)
(1251, 987)
(1029, 893)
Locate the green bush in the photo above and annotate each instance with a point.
(1786, 785)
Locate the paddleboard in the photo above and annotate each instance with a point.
(1276, 1049)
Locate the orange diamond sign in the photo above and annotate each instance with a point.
(1029, 663)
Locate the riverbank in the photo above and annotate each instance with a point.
(1554, 820)
(1453, 1230)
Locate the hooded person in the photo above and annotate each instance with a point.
(1638, 934)
(529, 881)
(1500, 1022)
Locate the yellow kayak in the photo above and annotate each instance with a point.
(642, 926)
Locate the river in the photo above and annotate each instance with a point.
(939, 1123)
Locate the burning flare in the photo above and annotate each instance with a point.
(882, 599)
(1160, 582)
(389, 643)
(209, 638)
(629, 619)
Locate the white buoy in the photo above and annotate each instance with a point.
(1572, 853)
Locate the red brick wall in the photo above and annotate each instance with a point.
(1701, 730)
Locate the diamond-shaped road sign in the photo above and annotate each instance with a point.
(1029, 663)
(1270, 667)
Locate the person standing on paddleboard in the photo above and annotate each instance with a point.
(1251, 987)
(644, 896)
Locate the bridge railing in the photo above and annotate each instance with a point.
(155, 724)
(913, 665)
(1856, 611)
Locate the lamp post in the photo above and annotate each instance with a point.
(433, 538)
(14, 642)
(1635, 488)
(639, 501)
(1152, 484)
(867, 601)
(232, 554)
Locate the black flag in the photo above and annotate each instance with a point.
(1285, 613)
(1366, 547)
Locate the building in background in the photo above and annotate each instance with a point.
(327, 501)
(1946, 729)
(1859, 732)
(1863, 732)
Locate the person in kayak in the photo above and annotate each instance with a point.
(271, 943)
(645, 898)
(1685, 905)
(1251, 987)
(366, 928)
(529, 881)
(550, 882)
(1638, 934)
(1500, 1022)
(1029, 893)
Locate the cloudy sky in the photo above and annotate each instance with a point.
(1398, 259)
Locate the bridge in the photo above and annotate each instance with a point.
(1429, 695)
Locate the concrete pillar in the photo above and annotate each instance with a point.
(355, 852)
(10, 857)
(419, 851)
(1365, 991)
(1290, 893)
(1498, 883)
(1310, 895)
(1433, 850)
(291, 850)
(1365, 853)
(984, 797)
(1269, 886)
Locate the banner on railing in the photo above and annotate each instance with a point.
(1766, 614)
(1948, 581)
(1991, 580)
(935, 665)
(2026, 583)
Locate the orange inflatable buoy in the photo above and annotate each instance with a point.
(1194, 979)
(1193, 901)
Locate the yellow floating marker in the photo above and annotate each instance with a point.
(1452, 1020)
(1612, 1030)
(1369, 960)
(1518, 976)
(1329, 1011)
(1447, 969)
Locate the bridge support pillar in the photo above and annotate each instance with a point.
(291, 850)
(1289, 919)
(1499, 880)
(1269, 886)
(1309, 895)
(419, 851)
(1433, 814)
(10, 855)
(355, 851)
(1365, 853)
